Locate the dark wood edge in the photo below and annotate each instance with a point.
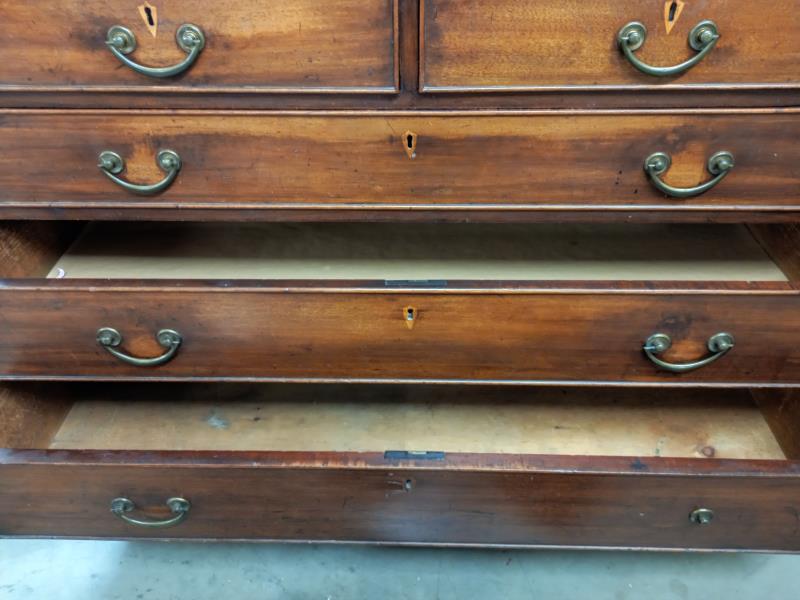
(351, 113)
(382, 287)
(407, 99)
(404, 544)
(782, 245)
(30, 248)
(654, 383)
(408, 22)
(531, 463)
(197, 90)
(781, 410)
(629, 88)
(31, 414)
(332, 212)
(142, 211)
(395, 49)
(421, 33)
(353, 208)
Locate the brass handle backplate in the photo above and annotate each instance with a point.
(718, 344)
(110, 339)
(179, 507)
(121, 41)
(655, 165)
(702, 38)
(111, 164)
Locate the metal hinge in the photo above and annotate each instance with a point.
(413, 455)
(415, 283)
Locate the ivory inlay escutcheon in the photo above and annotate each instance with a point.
(410, 144)
(672, 12)
(149, 14)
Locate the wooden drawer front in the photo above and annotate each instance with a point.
(371, 505)
(291, 46)
(572, 45)
(290, 333)
(536, 161)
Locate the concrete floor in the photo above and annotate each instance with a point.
(84, 570)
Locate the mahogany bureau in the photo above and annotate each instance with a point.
(445, 272)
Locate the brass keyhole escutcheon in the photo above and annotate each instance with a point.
(410, 144)
(410, 315)
(399, 485)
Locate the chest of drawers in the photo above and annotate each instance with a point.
(455, 272)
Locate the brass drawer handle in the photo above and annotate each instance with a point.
(177, 506)
(110, 338)
(111, 164)
(718, 344)
(702, 38)
(121, 41)
(719, 165)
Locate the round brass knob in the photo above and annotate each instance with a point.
(701, 516)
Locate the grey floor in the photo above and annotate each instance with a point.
(72, 570)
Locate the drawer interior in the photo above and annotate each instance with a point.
(382, 251)
(717, 424)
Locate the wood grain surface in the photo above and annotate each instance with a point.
(303, 418)
(237, 496)
(464, 161)
(24, 94)
(508, 332)
(518, 109)
(297, 46)
(509, 45)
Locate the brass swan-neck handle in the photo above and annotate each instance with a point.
(110, 339)
(702, 38)
(718, 344)
(112, 164)
(719, 165)
(121, 41)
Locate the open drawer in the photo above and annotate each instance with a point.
(589, 467)
(660, 304)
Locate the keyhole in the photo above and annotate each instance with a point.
(410, 316)
(672, 9)
(404, 485)
(410, 144)
(149, 15)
